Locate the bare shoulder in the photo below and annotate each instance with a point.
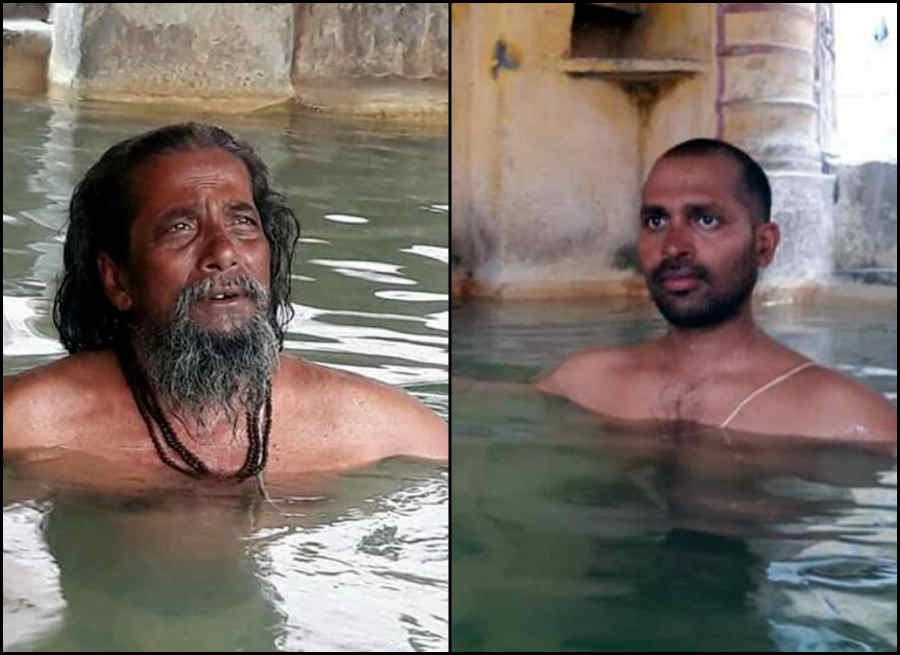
(851, 409)
(588, 368)
(42, 406)
(382, 419)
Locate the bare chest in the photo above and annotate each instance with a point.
(742, 402)
(699, 400)
(294, 444)
(706, 400)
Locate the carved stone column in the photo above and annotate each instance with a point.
(775, 100)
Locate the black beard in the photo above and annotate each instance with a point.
(716, 308)
(200, 373)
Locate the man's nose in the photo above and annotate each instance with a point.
(678, 239)
(219, 251)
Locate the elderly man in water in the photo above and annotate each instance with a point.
(173, 305)
(705, 231)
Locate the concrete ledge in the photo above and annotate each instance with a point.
(878, 294)
(216, 104)
(377, 97)
(464, 288)
(632, 68)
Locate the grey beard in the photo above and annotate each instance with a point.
(202, 374)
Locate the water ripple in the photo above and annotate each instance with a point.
(432, 252)
(33, 604)
(836, 572)
(373, 271)
(20, 337)
(376, 547)
(346, 218)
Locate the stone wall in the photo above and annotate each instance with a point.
(364, 58)
(239, 52)
(399, 39)
(560, 110)
(372, 58)
(866, 218)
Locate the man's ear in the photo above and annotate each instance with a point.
(115, 281)
(768, 235)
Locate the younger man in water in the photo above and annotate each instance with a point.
(704, 234)
(173, 304)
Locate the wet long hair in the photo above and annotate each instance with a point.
(101, 214)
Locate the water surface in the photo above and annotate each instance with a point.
(574, 532)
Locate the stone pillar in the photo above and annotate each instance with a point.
(769, 105)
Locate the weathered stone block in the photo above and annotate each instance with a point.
(866, 217)
(781, 136)
(230, 52)
(402, 39)
(373, 58)
(768, 27)
(803, 207)
(776, 75)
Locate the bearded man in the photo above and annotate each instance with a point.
(705, 233)
(173, 303)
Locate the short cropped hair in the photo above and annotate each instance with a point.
(753, 185)
(101, 213)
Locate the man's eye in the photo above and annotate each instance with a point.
(180, 226)
(708, 220)
(654, 222)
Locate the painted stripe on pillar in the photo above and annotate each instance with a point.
(720, 68)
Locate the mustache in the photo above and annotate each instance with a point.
(678, 268)
(229, 285)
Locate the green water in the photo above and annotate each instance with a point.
(355, 562)
(571, 533)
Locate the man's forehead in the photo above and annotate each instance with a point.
(197, 161)
(168, 176)
(692, 179)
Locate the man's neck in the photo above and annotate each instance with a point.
(713, 348)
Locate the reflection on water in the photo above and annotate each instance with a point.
(362, 564)
(343, 218)
(572, 532)
(396, 574)
(372, 271)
